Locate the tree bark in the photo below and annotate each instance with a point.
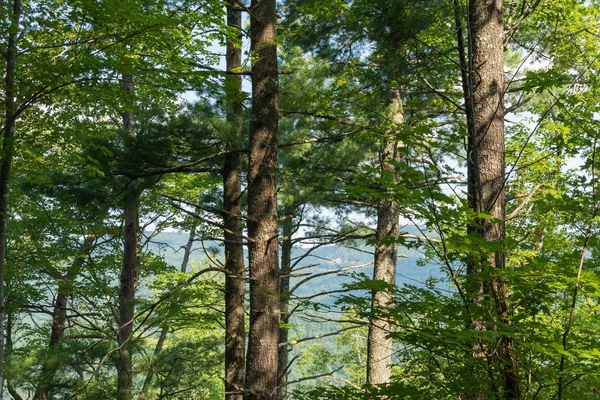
(59, 317)
(261, 361)
(6, 157)
(235, 335)
(165, 330)
(379, 346)
(487, 173)
(129, 272)
(284, 290)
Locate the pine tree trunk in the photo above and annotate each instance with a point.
(235, 335)
(284, 289)
(261, 361)
(59, 317)
(488, 169)
(129, 272)
(379, 353)
(7, 155)
(379, 347)
(474, 284)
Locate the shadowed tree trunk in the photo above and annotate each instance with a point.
(232, 220)
(379, 347)
(7, 156)
(129, 272)
(487, 169)
(474, 283)
(284, 289)
(261, 361)
(59, 317)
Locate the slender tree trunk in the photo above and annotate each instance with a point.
(379, 347)
(9, 346)
(59, 316)
(474, 283)
(261, 361)
(235, 335)
(6, 157)
(165, 330)
(129, 272)
(485, 18)
(466, 84)
(150, 374)
(284, 290)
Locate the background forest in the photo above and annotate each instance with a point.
(299, 199)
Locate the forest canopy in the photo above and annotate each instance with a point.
(299, 199)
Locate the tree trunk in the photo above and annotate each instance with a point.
(488, 166)
(284, 290)
(129, 272)
(379, 347)
(261, 364)
(7, 155)
(9, 346)
(235, 335)
(59, 316)
(165, 330)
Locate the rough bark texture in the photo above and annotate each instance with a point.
(235, 335)
(261, 361)
(488, 87)
(165, 330)
(59, 318)
(6, 157)
(284, 289)
(488, 167)
(129, 272)
(379, 347)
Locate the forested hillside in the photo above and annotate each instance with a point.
(299, 199)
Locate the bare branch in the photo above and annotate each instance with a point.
(325, 375)
(329, 272)
(305, 339)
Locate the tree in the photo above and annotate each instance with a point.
(284, 290)
(232, 215)
(59, 317)
(263, 339)
(7, 155)
(131, 261)
(486, 172)
(380, 346)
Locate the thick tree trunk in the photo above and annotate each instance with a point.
(7, 155)
(261, 361)
(488, 166)
(474, 283)
(165, 330)
(235, 335)
(129, 272)
(59, 318)
(379, 347)
(284, 290)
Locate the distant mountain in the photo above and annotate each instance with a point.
(170, 246)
